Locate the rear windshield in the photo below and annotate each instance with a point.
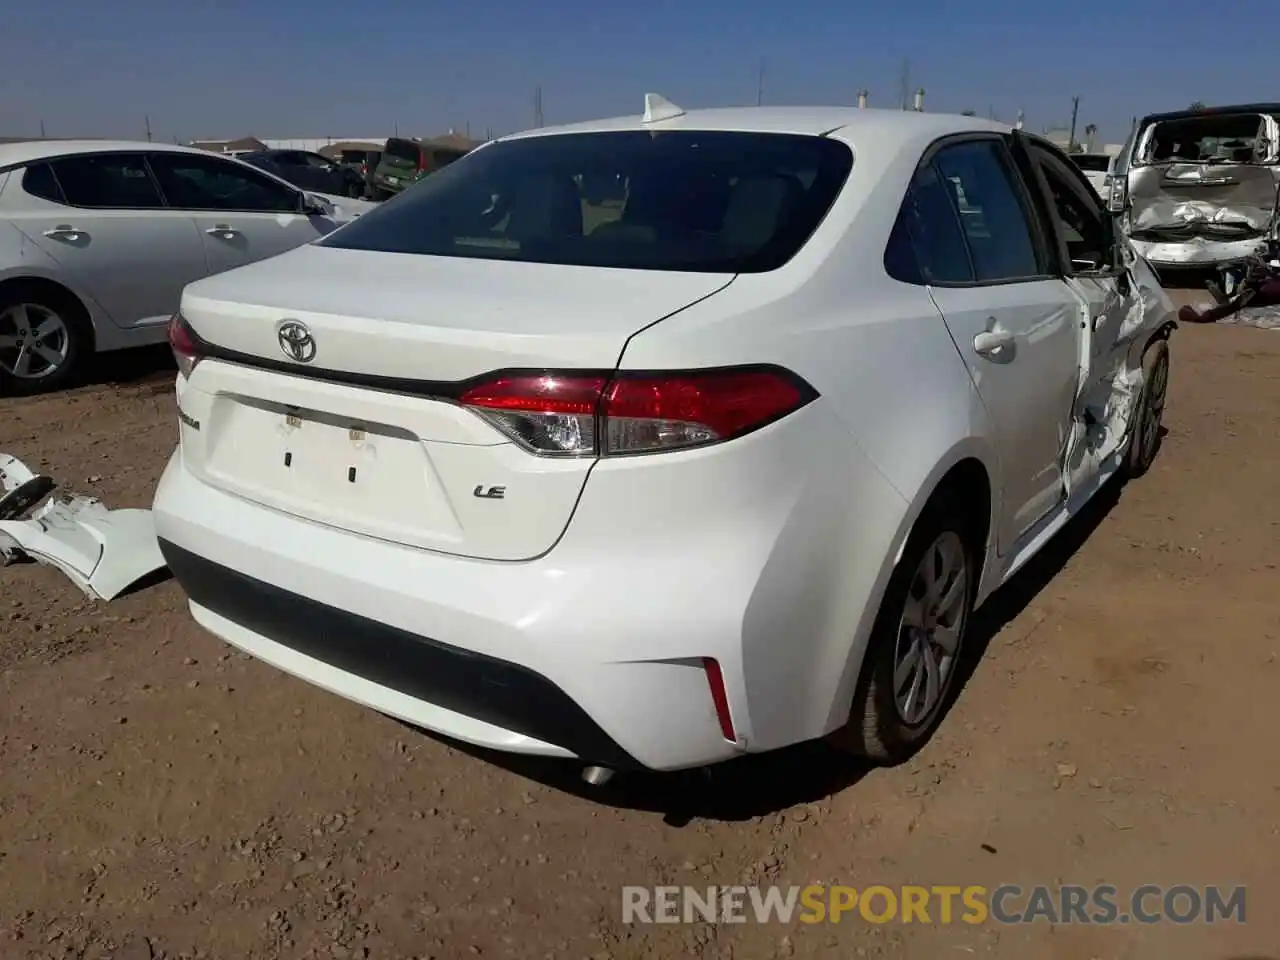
(719, 202)
(1091, 162)
(402, 150)
(354, 156)
(1220, 138)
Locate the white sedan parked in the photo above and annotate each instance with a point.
(97, 240)
(717, 467)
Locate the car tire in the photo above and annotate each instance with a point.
(72, 338)
(1144, 438)
(884, 725)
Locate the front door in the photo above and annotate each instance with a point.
(100, 216)
(1115, 308)
(242, 214)
(1016, 326)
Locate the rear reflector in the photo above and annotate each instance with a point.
(720, 698)
(592, 415)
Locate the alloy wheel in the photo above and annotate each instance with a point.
(34, 341)
(1154, 412)
(931, 628)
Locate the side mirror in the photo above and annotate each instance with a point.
(313, 205)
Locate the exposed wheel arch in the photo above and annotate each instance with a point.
(968, 483)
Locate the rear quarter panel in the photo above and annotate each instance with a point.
(888, 372)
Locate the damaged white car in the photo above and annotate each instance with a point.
(715, 469)
(1199, 188)
(103, 552)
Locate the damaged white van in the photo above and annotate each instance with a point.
(1199, 188)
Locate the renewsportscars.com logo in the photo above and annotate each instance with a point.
(1005, 904)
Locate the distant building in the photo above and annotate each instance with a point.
(1058, 136)
(229, 146)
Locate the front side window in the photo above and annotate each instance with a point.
(722, 202)
(1079, 220)
(997, 226)
(192, 182)
(106, 181)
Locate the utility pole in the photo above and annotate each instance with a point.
(537, 106)
(760, 71)
(395, 128)
(41, 129)
(1075, 110)
(146, 120)
(904, 84)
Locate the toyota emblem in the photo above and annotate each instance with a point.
(296, 341)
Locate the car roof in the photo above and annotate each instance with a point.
(1212, 111)
(864, 124)
(26, 151)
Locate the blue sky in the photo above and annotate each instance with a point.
(295, 68)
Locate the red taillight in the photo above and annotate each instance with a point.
(545, 413)
(185, 345)
(594, 415)
(719, 697)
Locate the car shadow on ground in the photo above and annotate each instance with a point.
(140, 365)
(764, 784)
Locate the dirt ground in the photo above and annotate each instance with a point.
(163, 796)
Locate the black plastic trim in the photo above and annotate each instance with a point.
(481, 687)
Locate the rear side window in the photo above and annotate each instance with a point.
(930, 224)
(107, 181)
(1092, 162)
(997, 228)
(402, 150)
(720, 202)
(39, 181)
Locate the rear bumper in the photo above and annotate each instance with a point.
(491, 692)
(766, 554)
(1198, 252)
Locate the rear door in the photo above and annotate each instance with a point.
(983, 252)
(101, 217)
(242, 215)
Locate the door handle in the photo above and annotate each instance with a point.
(64, 231)
(992, 342)
(223, 230)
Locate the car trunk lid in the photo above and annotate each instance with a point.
(367, 434)
(1217, 201)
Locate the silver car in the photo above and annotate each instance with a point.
(98, 238)
(1198, 188)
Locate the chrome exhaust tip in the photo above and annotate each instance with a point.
(597, 776)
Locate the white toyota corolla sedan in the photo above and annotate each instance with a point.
(656, 441)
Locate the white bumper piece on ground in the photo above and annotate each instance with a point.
(102, 551)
